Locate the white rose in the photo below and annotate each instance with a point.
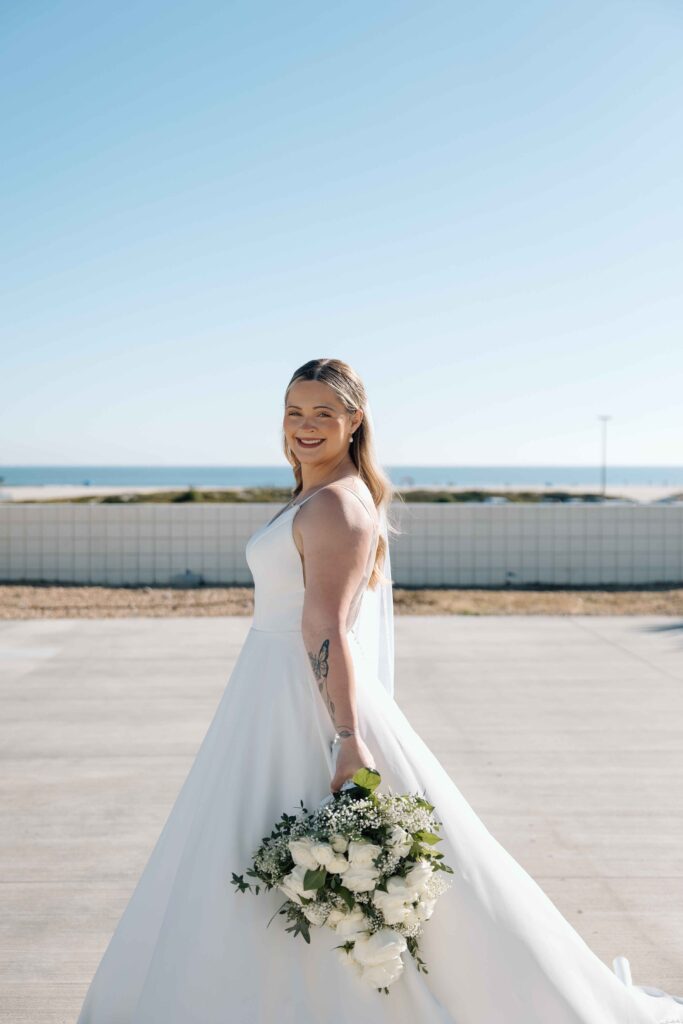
(386, 944)
(322, 852)
(339, 843)
(392, 906)
(348, 960)
(425, 909)
(400, 841)
(420, 874)
(352, 924)
(302, 853)
(410, 917)
(293, 884)
(383, 974)
(334, 917)
(402, 887)
(338, 865)
(361, 852)
(359, 878)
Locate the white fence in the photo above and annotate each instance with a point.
(441, 544)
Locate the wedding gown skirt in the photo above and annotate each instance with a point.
(190, 949)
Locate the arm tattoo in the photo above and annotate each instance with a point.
(320, 666)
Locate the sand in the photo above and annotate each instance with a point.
(22, 601)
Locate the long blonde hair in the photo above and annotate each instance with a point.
(350, 390)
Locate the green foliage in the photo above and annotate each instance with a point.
(367, 779)
(427, 837)
(346, 895)
(425, 804)
(315, 879)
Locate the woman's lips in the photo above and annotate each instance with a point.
(313, 443)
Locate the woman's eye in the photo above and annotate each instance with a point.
(325, 414)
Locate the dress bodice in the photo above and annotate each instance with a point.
(275, 563)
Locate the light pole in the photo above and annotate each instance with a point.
(603, 464)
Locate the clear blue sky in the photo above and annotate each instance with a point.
(478, 206)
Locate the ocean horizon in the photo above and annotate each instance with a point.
(281, 476)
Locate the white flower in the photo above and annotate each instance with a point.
(386, 944)
(425, 909)
(359, 878)
(322, 852)
(420, 874)
(292, 884)
(338, 865)
(363, 853)
(315, 913)
(347, 959)
(334, 917)
(393, 907)
(352, 924)
(400, 841)
(410, 918)
(383, 974)
(338, 842)
(302, 852)
(402, 887)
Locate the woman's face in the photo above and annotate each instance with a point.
(314, 412)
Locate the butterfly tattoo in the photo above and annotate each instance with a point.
(320, 666)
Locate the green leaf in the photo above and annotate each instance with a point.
(300, 927)
(315, 879)
(367, 778)
(427, 837)
(424, 803)
(347, 896)
(238, 881)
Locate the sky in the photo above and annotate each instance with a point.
(477, 206)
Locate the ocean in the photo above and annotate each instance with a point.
(281, 476)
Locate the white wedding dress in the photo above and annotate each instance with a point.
(190, 949)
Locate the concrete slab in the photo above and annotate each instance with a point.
(564, 734)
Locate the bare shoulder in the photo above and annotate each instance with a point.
(337, 514)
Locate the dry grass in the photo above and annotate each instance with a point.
(77, 602)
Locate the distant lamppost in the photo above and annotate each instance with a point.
(603, 462)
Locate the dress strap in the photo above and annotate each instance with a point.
(300, 503)
(360, 500)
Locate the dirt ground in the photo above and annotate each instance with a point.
(77, 602)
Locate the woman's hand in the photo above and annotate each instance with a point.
(353, 754)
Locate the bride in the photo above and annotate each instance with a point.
(309, 701)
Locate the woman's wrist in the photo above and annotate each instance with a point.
(346, 733)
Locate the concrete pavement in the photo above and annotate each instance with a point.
(564, 734)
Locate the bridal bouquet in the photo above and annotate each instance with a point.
(363, 865)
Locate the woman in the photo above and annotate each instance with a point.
(309, 702)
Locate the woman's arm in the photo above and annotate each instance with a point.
(336, 533)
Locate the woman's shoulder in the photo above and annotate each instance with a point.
(336, 519)
(348, 499)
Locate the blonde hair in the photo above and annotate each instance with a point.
(350, 391)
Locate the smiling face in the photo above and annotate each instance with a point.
(315, 413)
